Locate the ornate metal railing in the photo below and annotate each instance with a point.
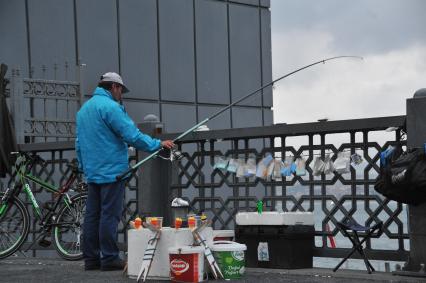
(331, 198)
(221, 194)
(43, 110)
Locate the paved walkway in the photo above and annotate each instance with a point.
(44, 270)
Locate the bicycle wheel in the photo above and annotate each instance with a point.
(14, 226)
(68, 231)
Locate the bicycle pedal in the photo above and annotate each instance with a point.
(44, 243)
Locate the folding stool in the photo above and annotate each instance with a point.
(352, 225)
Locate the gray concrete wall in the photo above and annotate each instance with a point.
(181, 59)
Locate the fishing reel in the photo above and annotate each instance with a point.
(170, 154)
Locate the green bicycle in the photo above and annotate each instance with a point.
(63, 220)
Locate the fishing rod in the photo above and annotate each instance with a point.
(133, 168)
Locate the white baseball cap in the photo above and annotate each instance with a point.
(115, 78)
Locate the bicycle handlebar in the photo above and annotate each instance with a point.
(34, 157)
(74, 167)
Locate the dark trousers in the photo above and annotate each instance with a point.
(104, 207)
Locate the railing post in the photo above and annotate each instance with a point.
(80, 76)
(17, 101)
(416, 133)
(154, 179)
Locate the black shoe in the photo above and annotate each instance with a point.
(113, 265)
(92, 265)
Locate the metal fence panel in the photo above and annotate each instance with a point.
(44, 110)
(332, 197)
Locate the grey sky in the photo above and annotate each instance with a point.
(390, 35)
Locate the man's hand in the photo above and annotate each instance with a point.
(167, 144)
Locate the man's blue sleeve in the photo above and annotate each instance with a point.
(78, 151)
(122, 125)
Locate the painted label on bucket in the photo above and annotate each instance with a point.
(238, 255)
(179, 266)
(231, 263)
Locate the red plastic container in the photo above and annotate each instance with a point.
(186, 264)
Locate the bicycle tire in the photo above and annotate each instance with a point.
(16, 218)
(67, 238)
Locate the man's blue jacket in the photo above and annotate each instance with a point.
(104, 131)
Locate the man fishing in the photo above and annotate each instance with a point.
(104, 132)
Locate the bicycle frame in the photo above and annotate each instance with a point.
(60, 216)
(23, 168)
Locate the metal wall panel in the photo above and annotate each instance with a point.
(151, 43)
(245, 53)
(177, 50)
(13, 30)
(97, 39)
(52, 38)
(139, 48)
(138, 110)
(268, 117)
(265, 21)
(178, 118)
(221, 122)
(265, 3)
(243, 117)
(212, 52)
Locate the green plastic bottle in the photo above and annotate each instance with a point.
(259, 207)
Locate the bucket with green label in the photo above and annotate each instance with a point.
(230, 258)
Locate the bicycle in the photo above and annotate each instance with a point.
(63, 220)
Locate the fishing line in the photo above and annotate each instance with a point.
(133, 168)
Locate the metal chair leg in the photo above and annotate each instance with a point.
(357, 244)
(361, 252)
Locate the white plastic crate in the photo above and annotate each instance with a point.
(275, 218)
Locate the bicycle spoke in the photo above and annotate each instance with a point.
(3, 243)
(68, 229)
(10, 240)
(13, 228)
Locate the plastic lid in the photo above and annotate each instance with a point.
(227, 246)
(223, 233)
(186, 250)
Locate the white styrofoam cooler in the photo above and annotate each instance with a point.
(275, 218)
(170, 237)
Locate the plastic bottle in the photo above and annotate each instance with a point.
(259, 207)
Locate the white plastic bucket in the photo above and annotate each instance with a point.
(230, 258)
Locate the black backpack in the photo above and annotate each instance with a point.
(403, 175)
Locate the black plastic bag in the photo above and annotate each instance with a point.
(403, 175)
